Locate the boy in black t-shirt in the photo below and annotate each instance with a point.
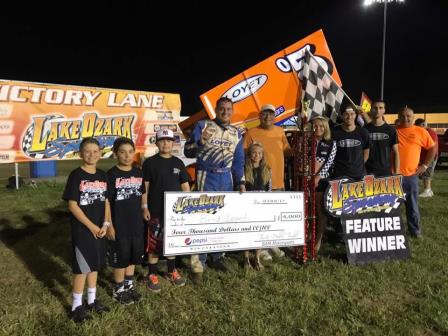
(352, 152)
(383, 143)
(352, 147)
(162, 172)
(86, 194)
(125, 190)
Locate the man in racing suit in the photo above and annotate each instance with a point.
(218, 149)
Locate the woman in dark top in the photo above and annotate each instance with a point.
(258, 178)
(256, 170)
(325, 154)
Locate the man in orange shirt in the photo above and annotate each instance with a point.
(275, 144)
(411, 140)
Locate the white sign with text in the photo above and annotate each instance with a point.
(202, 222)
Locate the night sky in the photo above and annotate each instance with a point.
(190, 48)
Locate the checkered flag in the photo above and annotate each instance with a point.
(322, 92)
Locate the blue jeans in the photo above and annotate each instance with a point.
(212, 181)
(215, 256)
(410, 187)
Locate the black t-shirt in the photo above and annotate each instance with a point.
(90, 192)
(125, 190)
(349, 160)
(382, 138)
(163, 174)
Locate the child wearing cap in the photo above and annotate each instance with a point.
(162, 172)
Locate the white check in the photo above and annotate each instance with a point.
(200, 222)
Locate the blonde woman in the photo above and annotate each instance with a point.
(325, 154)
(258, 178)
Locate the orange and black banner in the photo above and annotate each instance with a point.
(272, 81)
(47, 122)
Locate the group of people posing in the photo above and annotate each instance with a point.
(125, 205)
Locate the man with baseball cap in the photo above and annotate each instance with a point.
(352, 147)
(275, 144)
(352, 152)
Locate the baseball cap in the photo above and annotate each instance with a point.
(347, 108)
(165, 134)
(268, 107)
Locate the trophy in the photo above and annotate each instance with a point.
(305, 109)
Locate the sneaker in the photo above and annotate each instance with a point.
(80, 314)
(277, 252)
(265, 256)
(220, 265)
(426, 193)
(176, 279)
(197, 278)
(416, 235)
(97, 307)
(153, 283)
(122, 296)
(132, 292)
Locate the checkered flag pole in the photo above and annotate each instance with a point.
(320, 89)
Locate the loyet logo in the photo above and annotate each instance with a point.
(187, 241)
(218, 142)
(294, 60)
(245, 88)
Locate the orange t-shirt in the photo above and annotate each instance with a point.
(274, 143)
(411, 140)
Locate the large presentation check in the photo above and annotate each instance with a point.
(200, 222)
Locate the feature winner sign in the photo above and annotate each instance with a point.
(200, 222)
(370, 217)
(47, 121)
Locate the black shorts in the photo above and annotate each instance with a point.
(88, 253)
(125, 251)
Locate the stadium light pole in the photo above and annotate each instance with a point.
(383, 60)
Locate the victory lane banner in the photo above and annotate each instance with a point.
(47, 121)
(370, 217)
(202, 222)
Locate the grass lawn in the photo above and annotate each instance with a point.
(328, 297)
